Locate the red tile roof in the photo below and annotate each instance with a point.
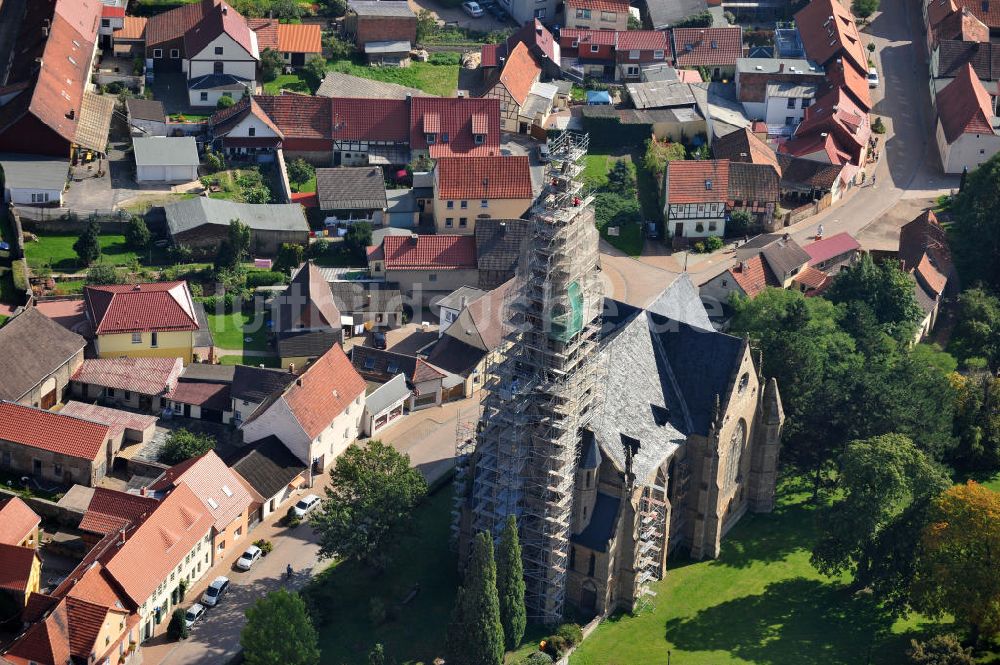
(298, 116)
(134, 28)
(159, 544)
(987, 12)
(455, 115)
(424, 371)
(837, 115)
(696, 47)
(110, 510)
(226, 120)
(15, 567)
(324, 391)
(963, 26)
(267, 32)
(111, 11)
(95, 586)
(173, 24)
(938, 10)
(214, 483)
(809, 144)
(599, 37)
(85, 623)
(812, 279)
(507, 177)
(370, 119)
(642, 40)
(519, 73)
(200, 393)
(489, 55)
(828, 30)
(753, 275)
(828, 248)
(50, 431)
(300, 38)
(124, 308)
(851, 80)
(698, 181)
(47, 641)
(17, 520)
(218, 19)
(964, 106)
(744, 146)
(429, 252)
(932, 278)
(116, 419)
(599, 5)
(146, 376)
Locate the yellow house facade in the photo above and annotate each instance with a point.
(23, 572)
(471, 188)
(151, 344)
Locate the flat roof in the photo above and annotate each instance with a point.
(660, 94)
(775, 65)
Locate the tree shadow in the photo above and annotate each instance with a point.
(797, 621)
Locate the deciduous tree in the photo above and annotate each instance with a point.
(871, 531)
(510, 584)
(182, 444)
(977, 422)
(977, 327)
(975, 234)
(278, 632)
(271, 63)
(958, 566)
(886, 289)
(372, 493)
(289, 257)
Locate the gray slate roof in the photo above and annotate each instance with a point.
(307, 344)
(680, 302)
(267, 465)
(338, 84)
(145, 109)
(601, 526)
(256, 384)
(660, 94)
(783, 256)
(454, 300)
(32, 346)
(33, 171)
(388, 394)
(499, 243)
(210, 373)
(354, 297)
(201, 210)
(351, 188)
(165, 151)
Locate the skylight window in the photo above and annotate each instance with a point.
(226, 490)
(212, 503)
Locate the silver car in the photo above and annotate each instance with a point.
(194, 613)
(249, 558)
(213, 594)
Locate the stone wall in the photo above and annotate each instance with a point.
(49, 510)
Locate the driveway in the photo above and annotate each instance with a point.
(454, 15)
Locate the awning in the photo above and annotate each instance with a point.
(387, 155)
(95, 122)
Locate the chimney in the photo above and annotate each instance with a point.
(291, 368)
(225, 10)
(413, 238)
(463, 301)
(460, 94)
(781, 67)
(503, 228)
(298, 382)
(137, 287)
(71, 114)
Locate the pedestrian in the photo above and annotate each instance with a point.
(288, 571)
(873, 180)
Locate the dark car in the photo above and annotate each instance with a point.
(378, 340)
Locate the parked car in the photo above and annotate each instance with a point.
(193, 614)
(213, 594)
(498, 12)
(249, 558)
(544, 156)
(652, 230)
(306, 505)
(872, 77)
(472, 9)
(378, 340)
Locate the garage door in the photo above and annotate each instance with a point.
(401, 220)
(153, 173)
(179, 173)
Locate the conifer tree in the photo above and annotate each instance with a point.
(510, 584)
(475, 635)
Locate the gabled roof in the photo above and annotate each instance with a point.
(214, 483)
(46, 642)
(828, 248)
(308, 343)
(267, 466)
(218, 19)
(361, 297)
(599, 5)
(695, 47)
(697, 181)
(201, 211)
(225, 120)
(306, 303)
(801, 172)
(351, 188)
(146, 376)
(165, 150)
(954, 54)
(812, 280)
(519, 72)
(160, 306)
(784, 255)
(852, 81)
(437, 252)
(133, 29)
(17, 520)
(110, 510)
(159, 543)
(256, 384)
(962, 25)
(964, 106)
(298, 116)
(753, 182)
(938, 10)
(145, 109)
(505, 177)
(581, 36)
(481, 323)
(173, 24)
(455, 118)
(117, 420)
(50, 431)
(828, 30)
(370, 119)
(32, 346)
(744, 146)
(376, 8)
(753, 275)
(642, 40)
(986, 11)
(300, 38)
(339, 84)
(324, 391)
(925, 240)
(498, 245)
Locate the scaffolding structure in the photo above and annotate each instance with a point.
(539, 393)
(650, 545)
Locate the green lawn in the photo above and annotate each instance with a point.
(309, 186)
(595, 171)
(230, 331)
(993, 483)
(287, 82)
(630, 238)
(422, 557)
(70, 286)
(56, 250)
(761, 602)
(266, 361)
(440, 80)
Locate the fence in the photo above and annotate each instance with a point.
(70, 220)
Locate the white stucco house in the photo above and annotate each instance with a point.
(221, 57)
(967, 124)
(163, 159)
(695, 197)
(33, 179)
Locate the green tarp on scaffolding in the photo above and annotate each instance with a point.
(567, 324)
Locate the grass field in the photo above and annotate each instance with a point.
(308, 186)
(56, 250)
(287, 82)
(70, 286)
(230, 331)
(266, 361)
(440, 80)
(422, 558)
(761, 602)
(595, 175)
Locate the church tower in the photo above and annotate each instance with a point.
(539, 395)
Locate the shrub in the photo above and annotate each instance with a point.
(291, 519)
(177, 629)
(739, 222)
(265, 278)
(712, 243)
(182, 444)
(19, 273)
(555, 646)
(940, 650)
(137, 234)
(570, 632)
(864, 8)
(103, 274)
(340, 49)
(180, 254)
(223, 304)
(265, 546)
(699, 247)
(300, 171)
(536, 658)
(214, 162)
(446, 58)
(224, 102)
(878, 126)
(700, 20)
(318, 248)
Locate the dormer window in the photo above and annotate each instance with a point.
(431, 138)
(658, 55)
(444, 137)
(479, 138)
(252, 131)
